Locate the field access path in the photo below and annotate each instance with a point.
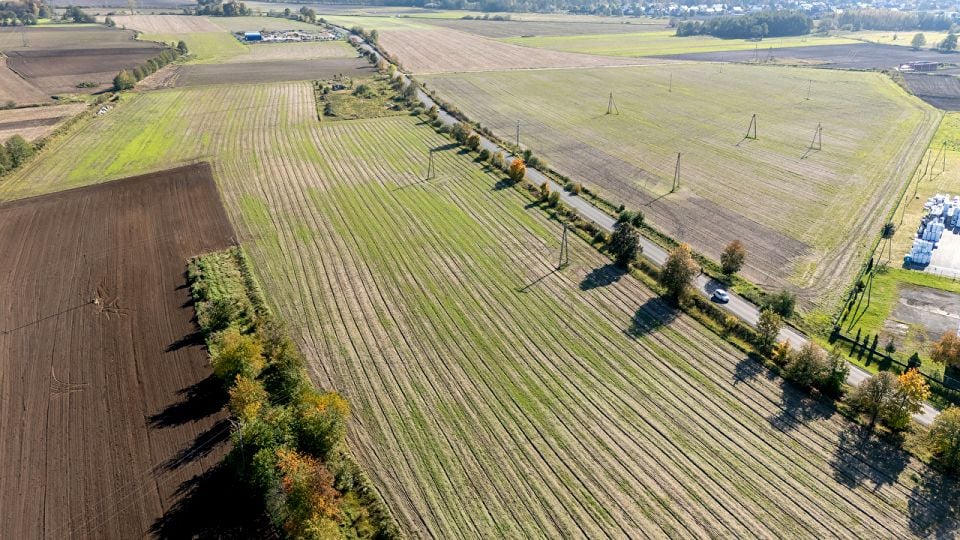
(737, 306)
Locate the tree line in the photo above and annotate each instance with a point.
(754, 25)
(219, 8)
(289, 438)
(127, 79)
(23, 13)
(884, 19)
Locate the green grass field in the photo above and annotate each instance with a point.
(791, 206)
(494, 395)
(205, 47)
(663, 42)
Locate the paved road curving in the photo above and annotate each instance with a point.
(738, 306)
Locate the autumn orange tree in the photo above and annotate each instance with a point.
(947, 350)
(907, 400)
(517, 170)
(311, 505)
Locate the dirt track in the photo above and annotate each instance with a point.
(108, 405)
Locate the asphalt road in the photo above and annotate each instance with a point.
(737, 306)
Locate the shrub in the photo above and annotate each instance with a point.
(235, 354)
(473, 141)
(553, 200)
(247, 398)
(497, 160)
(322, 422)
(782, 303)
(125, 81)
(484, 155)
(807, 366)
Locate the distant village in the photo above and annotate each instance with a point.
(684, 9)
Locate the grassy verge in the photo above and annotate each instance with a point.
(288, 437)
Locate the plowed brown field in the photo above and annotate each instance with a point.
(107, 405)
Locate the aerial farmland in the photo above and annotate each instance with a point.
(273, 290)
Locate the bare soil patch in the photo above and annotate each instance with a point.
(36, 122)
(933, 311)
(443, 51)
(14, 88)
(109, 416)
(941, 91)
(263, 72)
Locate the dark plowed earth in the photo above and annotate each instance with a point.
(941, 91)
(110, 419)
(60, 70)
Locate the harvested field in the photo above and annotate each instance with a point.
(790, 206)
(36, 122)
(64, 37)
(508, 29)
(110, 411)
(170, 24)
(852, 56)
(61, 70)
(14, 88)
(442, 51)
(280, 52)
(626, 419)
(662, 43)
(281, 70)
(941, 91)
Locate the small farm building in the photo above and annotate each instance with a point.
(252, 36)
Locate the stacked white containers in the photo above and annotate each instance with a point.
(921, 251)
(933, 231)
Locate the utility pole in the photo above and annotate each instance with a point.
(612, 106)
(518, 134)
(817, 138)
(676, 176)
(671, 83)
(753, 126)
(809, 86)
(564, 249)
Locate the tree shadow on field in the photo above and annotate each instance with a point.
(198, 401)
(203, 445)
(602, 276)
(798, 407)
(935, 505)
(190, 340)
(651, 316)
(750, 367)
(215, 504)
(862, 458)
(445, 147)
(502, 184)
